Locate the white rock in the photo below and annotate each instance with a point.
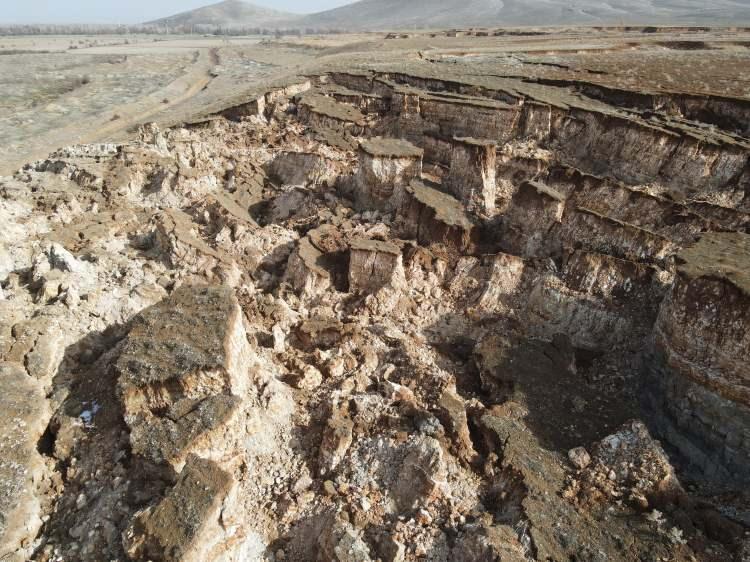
(6, 262)
(579, 457)
(279, 339)
(311, 378)
(71, 297)
(62, 259)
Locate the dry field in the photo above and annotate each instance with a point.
(57, 91)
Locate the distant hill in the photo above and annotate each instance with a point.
(403, 14)
(228, 13)
(406, 14)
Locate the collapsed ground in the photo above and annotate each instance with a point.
(397, 314)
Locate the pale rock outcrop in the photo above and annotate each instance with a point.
(184, 373)
(386, 167)
(505, 281)
(60, 258)
(150, 134)
(224, 211)
(472, 173)
(592, 231)
(374, 264)
(38, 344)
(185, 526)
(430, 217)
(608, 277)
(533, 211)
(177, 241)
(302, 168)
(552, 308)
(25, 414)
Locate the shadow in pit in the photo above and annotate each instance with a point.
(568, 404)
(275, 263)
(567, 398)
(88, 443)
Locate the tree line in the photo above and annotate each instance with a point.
(152, 29)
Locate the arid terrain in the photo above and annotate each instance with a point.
(449, 296)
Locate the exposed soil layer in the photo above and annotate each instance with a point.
(398, 312)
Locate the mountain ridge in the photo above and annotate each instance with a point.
(228, 12)
(405, 14)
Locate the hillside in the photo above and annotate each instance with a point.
(228, 13)
(406, 14)
(382, 14)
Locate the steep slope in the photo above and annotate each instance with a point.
(406, 14)
(409, 13)
(382, 14)
(227, 13)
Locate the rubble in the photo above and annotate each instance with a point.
(390, 313)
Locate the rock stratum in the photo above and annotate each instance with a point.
(404, 312)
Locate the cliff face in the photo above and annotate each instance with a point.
(701, 393)
(611, 198)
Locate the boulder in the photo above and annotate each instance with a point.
(185, 526)
(302, 168)
(488, 543)
(341, 542)
(433, 217)
(422, 471)
(630, 464)
(183, 371)
(337, 438)
(305, 271)
(374, 264)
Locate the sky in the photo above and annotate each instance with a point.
(129, 11)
